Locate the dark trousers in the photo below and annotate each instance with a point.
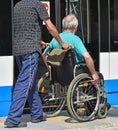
(25, 89)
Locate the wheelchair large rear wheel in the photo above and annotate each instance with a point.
(83, 98)
(52, 95)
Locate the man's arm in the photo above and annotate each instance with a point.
(53, 31)
(90, 65)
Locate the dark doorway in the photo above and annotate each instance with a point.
(5, 28)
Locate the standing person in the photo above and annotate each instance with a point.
(28, 17)
(70, 24)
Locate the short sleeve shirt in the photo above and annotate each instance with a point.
(28, 17)
(73, 40)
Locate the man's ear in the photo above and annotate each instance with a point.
(75, 29)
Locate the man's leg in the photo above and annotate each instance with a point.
(21, 89)
(33, 97)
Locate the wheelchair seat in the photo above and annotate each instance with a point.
(63, 74)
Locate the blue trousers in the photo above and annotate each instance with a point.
(25, 89)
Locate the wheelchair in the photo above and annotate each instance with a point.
(69, 87)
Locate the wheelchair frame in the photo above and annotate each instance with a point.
(83, 99)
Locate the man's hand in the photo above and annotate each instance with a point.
(44, 55)
(43, 44)
(95, 78)
(65, 46)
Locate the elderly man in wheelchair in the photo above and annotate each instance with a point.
(72, 79)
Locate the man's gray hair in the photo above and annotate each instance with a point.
(69, 22)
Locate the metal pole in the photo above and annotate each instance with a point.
(109, 25)
(67, 7)
(12, 6)
(58, 14)
(99, 24)
(88, 21)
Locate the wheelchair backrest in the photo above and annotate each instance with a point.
(63, 74)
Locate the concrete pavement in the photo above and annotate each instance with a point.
(64, 122)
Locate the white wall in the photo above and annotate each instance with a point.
(6, 70)
(104, 64)
(114, 65)
(109, 65)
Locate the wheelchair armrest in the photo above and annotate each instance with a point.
(81, 63)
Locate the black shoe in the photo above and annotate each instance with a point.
(44, 118)
(11, 125)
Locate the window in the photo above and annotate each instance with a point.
(114, 24)
(5, 28)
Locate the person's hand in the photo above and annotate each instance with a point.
(95, 78)
(43, 44)
(44, 55)
(65, 46)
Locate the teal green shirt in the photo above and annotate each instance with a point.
(73, 40)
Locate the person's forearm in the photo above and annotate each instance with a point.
(44, 56)
(53, 31)
(90, 65)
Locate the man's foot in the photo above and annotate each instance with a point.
(11, 125)
(44, 118)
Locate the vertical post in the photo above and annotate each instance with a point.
(88, 21)
(58, 14)
(109, 29)
(99, 25)
(12, 6)
(67, 7)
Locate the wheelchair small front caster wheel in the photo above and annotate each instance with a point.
(102, 111)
